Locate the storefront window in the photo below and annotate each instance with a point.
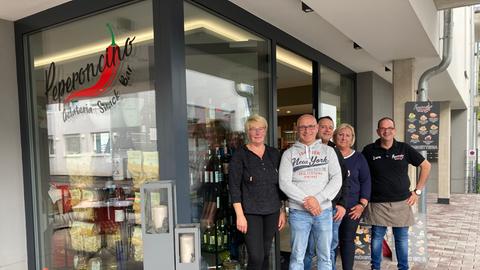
(227, 75)
(94, 131)
(336, 96)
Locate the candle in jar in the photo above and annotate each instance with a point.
(119, 215)
(187, 248)
(159, 213)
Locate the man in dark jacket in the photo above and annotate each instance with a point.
(325, 133)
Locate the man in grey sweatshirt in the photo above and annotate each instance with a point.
(311, 177)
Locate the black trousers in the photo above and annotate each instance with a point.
(346, 234)
(260, 232)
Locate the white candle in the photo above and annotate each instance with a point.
(119, 215)
(159, 213)
(187, 248)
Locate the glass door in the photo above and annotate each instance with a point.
(227, 75)
(294, 98)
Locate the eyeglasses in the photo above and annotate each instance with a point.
(325, 127)
(259, 130)
(310, 127)
(386, 129)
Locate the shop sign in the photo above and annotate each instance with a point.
(107, 71)
(422, 123)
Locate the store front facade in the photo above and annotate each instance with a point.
(115, 94)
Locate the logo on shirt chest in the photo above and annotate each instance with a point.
(397, 157)
(377, 157)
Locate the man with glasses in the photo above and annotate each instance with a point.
(311, 177)
(391, 198)
(325, 133)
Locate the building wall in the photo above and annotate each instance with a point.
(374, 101)
(458, 151)
(460, 67)
(13, 251)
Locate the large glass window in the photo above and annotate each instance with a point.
(227, 71)
(336, 96)
(93, 100)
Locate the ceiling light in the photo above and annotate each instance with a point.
(288, 111)
(306, 8)
(293, 60)
(278, 110)
(356, 46)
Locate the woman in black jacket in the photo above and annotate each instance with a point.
(256, 196)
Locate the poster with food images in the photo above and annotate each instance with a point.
(422, 122)
(362, 242)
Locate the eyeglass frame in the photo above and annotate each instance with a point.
(309, 127)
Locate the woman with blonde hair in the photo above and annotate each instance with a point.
(359, 180)
(255, 193)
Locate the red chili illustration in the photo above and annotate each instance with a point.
(109, 72)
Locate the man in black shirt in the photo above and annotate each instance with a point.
(391, 198)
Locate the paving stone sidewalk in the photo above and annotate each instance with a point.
(453, 233)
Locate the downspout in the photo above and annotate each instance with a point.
(422, 93)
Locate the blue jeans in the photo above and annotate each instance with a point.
(301, 224)
(400, 234)
(310, 253)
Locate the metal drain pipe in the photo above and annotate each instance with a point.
(422, 93)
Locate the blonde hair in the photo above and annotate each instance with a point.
(344, 126)
(255, 119)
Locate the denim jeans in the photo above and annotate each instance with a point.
(400, 234)
(310, 253)
(334, 248)
(301, 224)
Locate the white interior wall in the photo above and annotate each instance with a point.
(13, 251)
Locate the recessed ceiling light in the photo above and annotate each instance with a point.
(306, 8)
(278, 110)
(288, 112)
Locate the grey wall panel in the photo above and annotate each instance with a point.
(13, 247)
(374, 101)
(458, 155)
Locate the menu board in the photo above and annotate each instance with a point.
(422, 123)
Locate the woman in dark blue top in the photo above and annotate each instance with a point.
(256, 196)
(359, 180)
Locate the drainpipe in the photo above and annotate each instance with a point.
(422, 94)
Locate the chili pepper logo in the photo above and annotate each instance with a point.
(109, 71)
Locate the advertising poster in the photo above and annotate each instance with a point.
(422, 123)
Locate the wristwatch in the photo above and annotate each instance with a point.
(418, 191)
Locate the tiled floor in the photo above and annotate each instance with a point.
(453, 233)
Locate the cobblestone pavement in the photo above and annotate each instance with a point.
(453, 233)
